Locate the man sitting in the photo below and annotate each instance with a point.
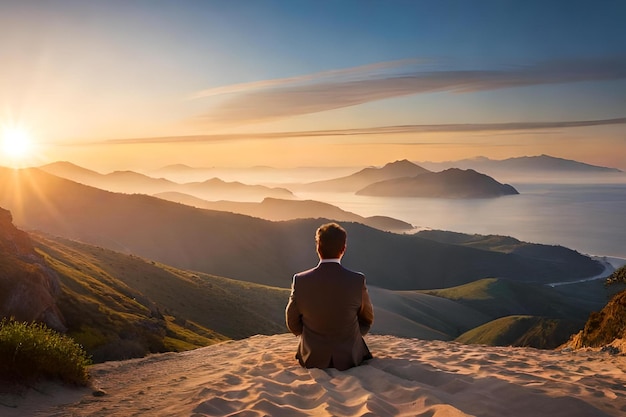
(329, 307)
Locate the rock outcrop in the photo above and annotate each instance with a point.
(28, 288)
(604, 328)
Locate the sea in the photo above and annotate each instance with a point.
(589, 218)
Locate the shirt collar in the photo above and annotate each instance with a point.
(330, 260)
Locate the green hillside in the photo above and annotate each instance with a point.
(504, 244)
(120, 306)
(526, 314)
(500, 297)
(417, 315)
(529, 331)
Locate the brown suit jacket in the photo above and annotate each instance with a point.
(330, 309)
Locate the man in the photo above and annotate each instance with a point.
(329, 307)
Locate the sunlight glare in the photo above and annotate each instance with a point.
(16, 142)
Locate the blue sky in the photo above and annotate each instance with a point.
(237, 82)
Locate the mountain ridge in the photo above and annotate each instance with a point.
(365, 177)
(205, 240)
(539, 168)
(276, 209)
(132, 182)
(451, 183)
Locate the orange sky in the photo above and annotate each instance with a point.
(133, 86)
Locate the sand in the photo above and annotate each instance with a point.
(408, 377)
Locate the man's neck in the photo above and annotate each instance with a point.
(329, 260)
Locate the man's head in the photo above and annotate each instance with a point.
(331, 241)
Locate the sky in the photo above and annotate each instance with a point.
(141, 84)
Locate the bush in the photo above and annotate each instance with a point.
(618, 276)
(31, 350)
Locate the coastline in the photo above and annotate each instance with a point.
(610, 263)
(580, 217)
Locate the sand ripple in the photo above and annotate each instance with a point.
(408, 377)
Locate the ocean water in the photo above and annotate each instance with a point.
(589, 218)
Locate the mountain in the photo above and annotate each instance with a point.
(71, 171)
(451, 183)
(132, 182)
(117, 181)
(217, 189)
(551, 163)
(365, 177)
(278, 210)
(247, 248)
(536, 168)
(504, 244)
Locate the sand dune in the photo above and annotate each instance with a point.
(408, 377)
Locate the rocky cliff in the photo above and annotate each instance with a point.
(28, 288)
(606, 328)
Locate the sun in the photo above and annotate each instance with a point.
(16, 142)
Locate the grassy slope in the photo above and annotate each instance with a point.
(538, 332)
(99, 284)
(525, 314)
(120, 305)
(499, 297)
(423, 316)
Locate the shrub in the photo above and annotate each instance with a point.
(618, 276)
(31, 350)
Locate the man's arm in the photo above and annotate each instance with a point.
(293, 318)
(366, 312)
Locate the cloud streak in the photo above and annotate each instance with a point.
(346, 73)
(276, 99)
(387, 130)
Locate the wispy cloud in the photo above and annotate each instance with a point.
(275, 99)
(343, 73)
(387, 130)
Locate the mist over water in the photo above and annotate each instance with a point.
(585, 212)
(589, 218)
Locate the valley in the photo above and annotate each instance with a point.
(141, 274)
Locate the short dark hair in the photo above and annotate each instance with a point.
(331, 240)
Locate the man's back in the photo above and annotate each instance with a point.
(330, 308)
(329, 298)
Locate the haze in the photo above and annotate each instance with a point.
(143, 84)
